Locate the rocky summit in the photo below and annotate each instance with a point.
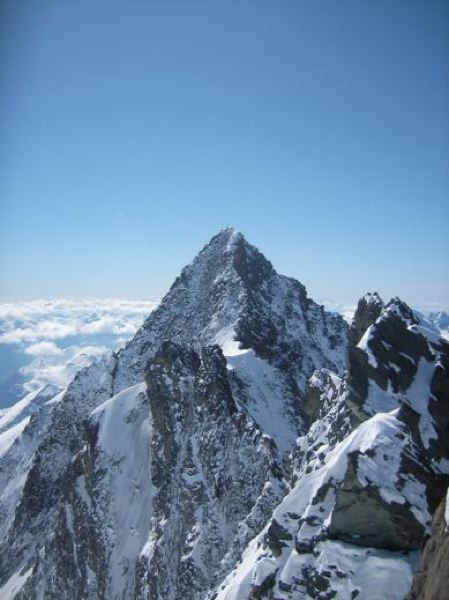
(244, 444)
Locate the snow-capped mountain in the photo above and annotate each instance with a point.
(440, 319)
(369, 473)
(244, 444)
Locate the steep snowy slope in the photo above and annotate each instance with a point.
(369, 473)
(22, 428)
(210, 471)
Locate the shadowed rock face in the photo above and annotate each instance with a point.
(367, 312)
(390, 355)
(431, 581)
(395, 354)
(362, 517)
(215, 476)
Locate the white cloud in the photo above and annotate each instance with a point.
(44, 349)
(428, 307)
(58, 369)
(108, 324)
(38, 331)
(41, 329)
(345, 310)
(40, 320)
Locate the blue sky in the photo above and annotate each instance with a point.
(132, 131)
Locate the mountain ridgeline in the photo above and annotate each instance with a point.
(244, 444)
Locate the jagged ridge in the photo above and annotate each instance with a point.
(368, 474)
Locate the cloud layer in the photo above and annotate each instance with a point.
(38, 320)
(58, 337)
(45, 342)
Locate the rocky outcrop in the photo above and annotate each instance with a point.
(216, 476)
(368, 475)
(363, 517)
(368, 310)
(431, 581)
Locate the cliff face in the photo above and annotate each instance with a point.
(431, 581)
(368, 311)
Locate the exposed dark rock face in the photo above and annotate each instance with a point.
(19, 457)
(431, 581)
(216, 477)
(363, 518)
(367, 312)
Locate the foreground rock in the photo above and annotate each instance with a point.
(368, 477)
(431, 582)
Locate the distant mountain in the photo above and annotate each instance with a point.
(244, 444)
(441, 320)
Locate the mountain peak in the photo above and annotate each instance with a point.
(231, 295)
(397, 307)
(368, 310)
(372, 298)
(227, 256)
(225, 242)
(228, 232)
